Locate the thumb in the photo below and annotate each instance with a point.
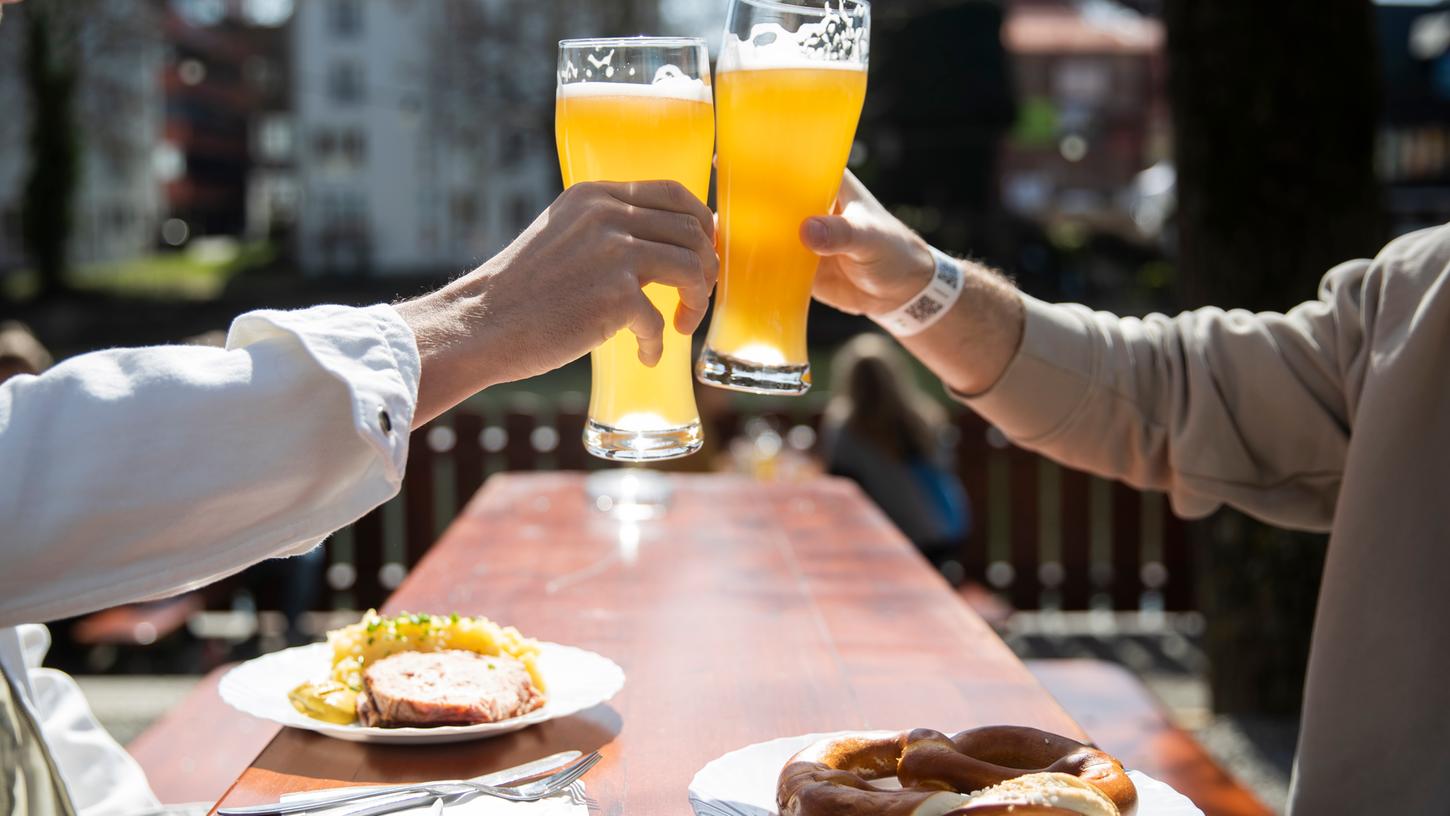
(829, 235)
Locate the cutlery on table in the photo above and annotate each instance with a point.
(305, 803)
(529, 792)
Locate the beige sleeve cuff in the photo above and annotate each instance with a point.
(1048, 380)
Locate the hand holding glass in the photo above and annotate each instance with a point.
(638, 109)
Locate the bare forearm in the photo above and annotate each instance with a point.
(970, 347)
(453, 360)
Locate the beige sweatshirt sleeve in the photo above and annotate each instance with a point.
(1212, 407)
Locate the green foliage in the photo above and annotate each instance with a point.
(178, 275)
(1036, 124)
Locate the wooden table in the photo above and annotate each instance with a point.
(745, 612)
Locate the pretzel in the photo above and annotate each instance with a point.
(938, 774)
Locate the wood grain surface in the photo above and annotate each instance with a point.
(743, 612)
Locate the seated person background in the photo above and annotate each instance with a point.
(883, 433)
(20, 351)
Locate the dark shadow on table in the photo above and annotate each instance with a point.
(341, 761)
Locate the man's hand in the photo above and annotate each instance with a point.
(871, 263)
(567, 284)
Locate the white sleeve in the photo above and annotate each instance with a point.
(134, 473)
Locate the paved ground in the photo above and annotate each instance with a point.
(126, 704)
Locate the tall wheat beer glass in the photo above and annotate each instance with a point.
(637, 109)
(788, 87)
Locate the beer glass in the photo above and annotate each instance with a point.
(638, 109)
(789, 85)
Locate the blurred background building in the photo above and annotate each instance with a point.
(1414, 140)
(399, 172)
(119, 105)
(1092, 119)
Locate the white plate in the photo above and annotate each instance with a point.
(742, 783)
(577, 679)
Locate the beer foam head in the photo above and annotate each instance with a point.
(669, 83)
(839, 39)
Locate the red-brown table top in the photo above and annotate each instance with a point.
(745, 612)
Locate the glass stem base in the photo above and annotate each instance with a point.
(724, 371)
(620, 445)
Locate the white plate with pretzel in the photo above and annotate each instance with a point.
(746, 782)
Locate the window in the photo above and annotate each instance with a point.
(324, 144)
(274, 137)
(340, 149)
(344, 210)
(515, 145)
(464, 208)
(354, 148)
(346, 17)
(522, 213)
(345, 82)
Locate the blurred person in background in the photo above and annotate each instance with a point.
(20, 351)
(1333, 416)
(884, 433)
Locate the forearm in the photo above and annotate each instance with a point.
(455, 361)
(971, 345)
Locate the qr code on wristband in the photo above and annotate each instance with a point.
(923, 308)
(948, 275)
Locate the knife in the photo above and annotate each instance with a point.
(299, 803)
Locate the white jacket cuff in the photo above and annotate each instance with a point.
(371, 350)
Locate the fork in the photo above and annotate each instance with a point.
(448, 792)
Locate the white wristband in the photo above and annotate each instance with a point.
(927, 306)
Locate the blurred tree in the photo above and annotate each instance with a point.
(1274, 107)
(54, 173)
(79, 65)
(940, 101)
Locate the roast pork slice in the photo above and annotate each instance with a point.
(445, 688)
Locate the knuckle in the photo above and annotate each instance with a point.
(678, 195)
(691, 226)
(693, 262)
(619, 214)
(582, 192)
(592, 212)
(624, 284)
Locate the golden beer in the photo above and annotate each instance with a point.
(767, 188)
(619, 131)
(786, 120)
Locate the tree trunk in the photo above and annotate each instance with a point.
(54, 175)
(1274, 107)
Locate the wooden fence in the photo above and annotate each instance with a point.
(1046, 537)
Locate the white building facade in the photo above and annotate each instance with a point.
(423, 131)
